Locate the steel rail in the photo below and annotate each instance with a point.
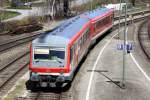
(146, 38)
(12, 76)
(13, 61)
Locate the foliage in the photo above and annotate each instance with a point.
(91, 5)
(12, 25)
(7, 14)
(19, 7)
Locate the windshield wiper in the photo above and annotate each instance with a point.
(59, 60)
(37, 61)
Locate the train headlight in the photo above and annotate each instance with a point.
(49, 77)
(62, 72)
(60, 79)
(34, 77)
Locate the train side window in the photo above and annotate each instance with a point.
(86, 35)
(79, 42)
(108, 19)
(96, 25)
(72, 51)
(82, 40)
(75, 46)
(99, 24)
(111, 17)
(71, 54)
(104, 21)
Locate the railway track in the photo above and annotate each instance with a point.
(49, 94)
(10, 72)
(17, 57)
(6, 45)
(17, 41)
(2, 84)
(131, 14)
(40, 96)
(46, 96)
(6, 80)
(149, 31)
(144, 37)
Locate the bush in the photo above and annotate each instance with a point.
(21, 25)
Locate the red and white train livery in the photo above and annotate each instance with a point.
(54, 56)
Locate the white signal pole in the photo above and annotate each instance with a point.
(124, 50)
(120, 11)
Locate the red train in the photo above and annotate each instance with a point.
(54, 56)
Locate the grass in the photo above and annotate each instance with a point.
(14, 24)
(19, 7)
(8, 5)
(8, 14)
(28, 0)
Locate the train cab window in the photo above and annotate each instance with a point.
(71, 54)
(56, 54)
(41, 54)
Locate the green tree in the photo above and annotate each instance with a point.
(132, 2)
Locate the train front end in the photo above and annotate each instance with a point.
(48, 62)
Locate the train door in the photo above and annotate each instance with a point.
(73, 56)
